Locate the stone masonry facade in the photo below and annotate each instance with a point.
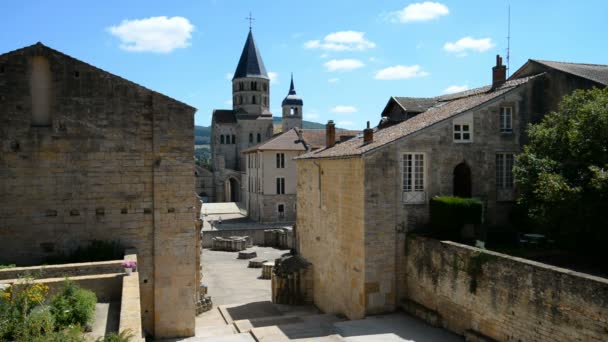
(113, 162)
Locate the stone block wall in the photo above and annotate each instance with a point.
(330, 232)
(482, 293)
(115, 163)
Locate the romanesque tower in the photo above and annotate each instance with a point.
(248, 123)
(292, 109)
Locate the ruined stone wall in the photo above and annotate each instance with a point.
(473, 291)
(330, 233)
(115, 163)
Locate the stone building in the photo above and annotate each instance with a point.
(356, 199)
(87, 155)
(249, 122)
(204, 184)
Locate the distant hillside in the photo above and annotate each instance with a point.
(202, 133)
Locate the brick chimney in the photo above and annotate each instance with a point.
(499, 73)
(330, 134)
(368, 135)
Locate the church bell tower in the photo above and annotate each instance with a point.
(292, 109)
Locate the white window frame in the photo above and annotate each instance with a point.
(506, 121)
(415, 191)
(280, 160)
(280, 189)
(503, 181)
(458, 129)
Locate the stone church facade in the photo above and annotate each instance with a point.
(87, 155)
(249, 122)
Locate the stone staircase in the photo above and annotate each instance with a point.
(267, 322)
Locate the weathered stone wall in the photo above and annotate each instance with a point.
(204, 184)
(505, 298)
(63, 270)
(330, 232)
(114, 164)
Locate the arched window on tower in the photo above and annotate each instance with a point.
(241, 99)
(254, 85)
(259, 137)
(250, 137)
(265, 101)
(292, 111)
(241, 86)
(221, 139)
(233, 139)
(253, 99)
(265, 87)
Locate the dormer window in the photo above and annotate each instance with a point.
(506, 119)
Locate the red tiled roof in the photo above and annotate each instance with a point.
(446, 107)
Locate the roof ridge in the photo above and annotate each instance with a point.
(573, 63)
(41, 45)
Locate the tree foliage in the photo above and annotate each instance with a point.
(563, 171)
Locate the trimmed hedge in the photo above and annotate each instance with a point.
(450, 213)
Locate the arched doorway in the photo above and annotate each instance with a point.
(462, 180)
(232, 190)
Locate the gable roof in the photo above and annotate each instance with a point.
(39, 47)
(446, 107)
(223, 116)
(594, 72)
(250, 63)
(315, 138)
(288, 141)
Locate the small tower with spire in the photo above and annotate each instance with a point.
(251, 84)
(292, 109)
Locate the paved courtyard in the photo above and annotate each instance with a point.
(230, 281)
(242, 311)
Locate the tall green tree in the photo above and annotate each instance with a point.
(563, 171)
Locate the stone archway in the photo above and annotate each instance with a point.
(462, 180)
(231, 190)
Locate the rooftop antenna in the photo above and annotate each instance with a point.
(251, 19)
(509, 43)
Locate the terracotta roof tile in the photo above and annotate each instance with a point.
(446, 107)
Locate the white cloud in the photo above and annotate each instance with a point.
(465, 44)
(455, 89)
(274, 77)
(344, 109)
(342, 41)
(400, 72)
(324, 55)
(343, 64)
(420, 11)
(229, 76)
(333, 80)
(345, 123)
(154, 34)
(228, 102)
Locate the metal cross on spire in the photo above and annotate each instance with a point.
(251, 19)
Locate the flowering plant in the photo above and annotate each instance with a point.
(129, 264)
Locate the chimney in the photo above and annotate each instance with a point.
(499, 73)
(330, 134)
(368, 135)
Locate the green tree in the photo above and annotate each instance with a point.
(563, 171)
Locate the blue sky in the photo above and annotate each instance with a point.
(348, 57)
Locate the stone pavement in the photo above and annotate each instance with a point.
(243, 312)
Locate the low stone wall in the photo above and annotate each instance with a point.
(63, 270)
(257, 235)
(130, 306)
(483, 294)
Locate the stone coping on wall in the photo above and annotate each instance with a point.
(63, 270)
(524, 261)
(130, 305)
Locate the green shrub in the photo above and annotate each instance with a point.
(38, 324)
(70, 334)
(73, 305)
(449, 214)
(2, 267)
(123, 336)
